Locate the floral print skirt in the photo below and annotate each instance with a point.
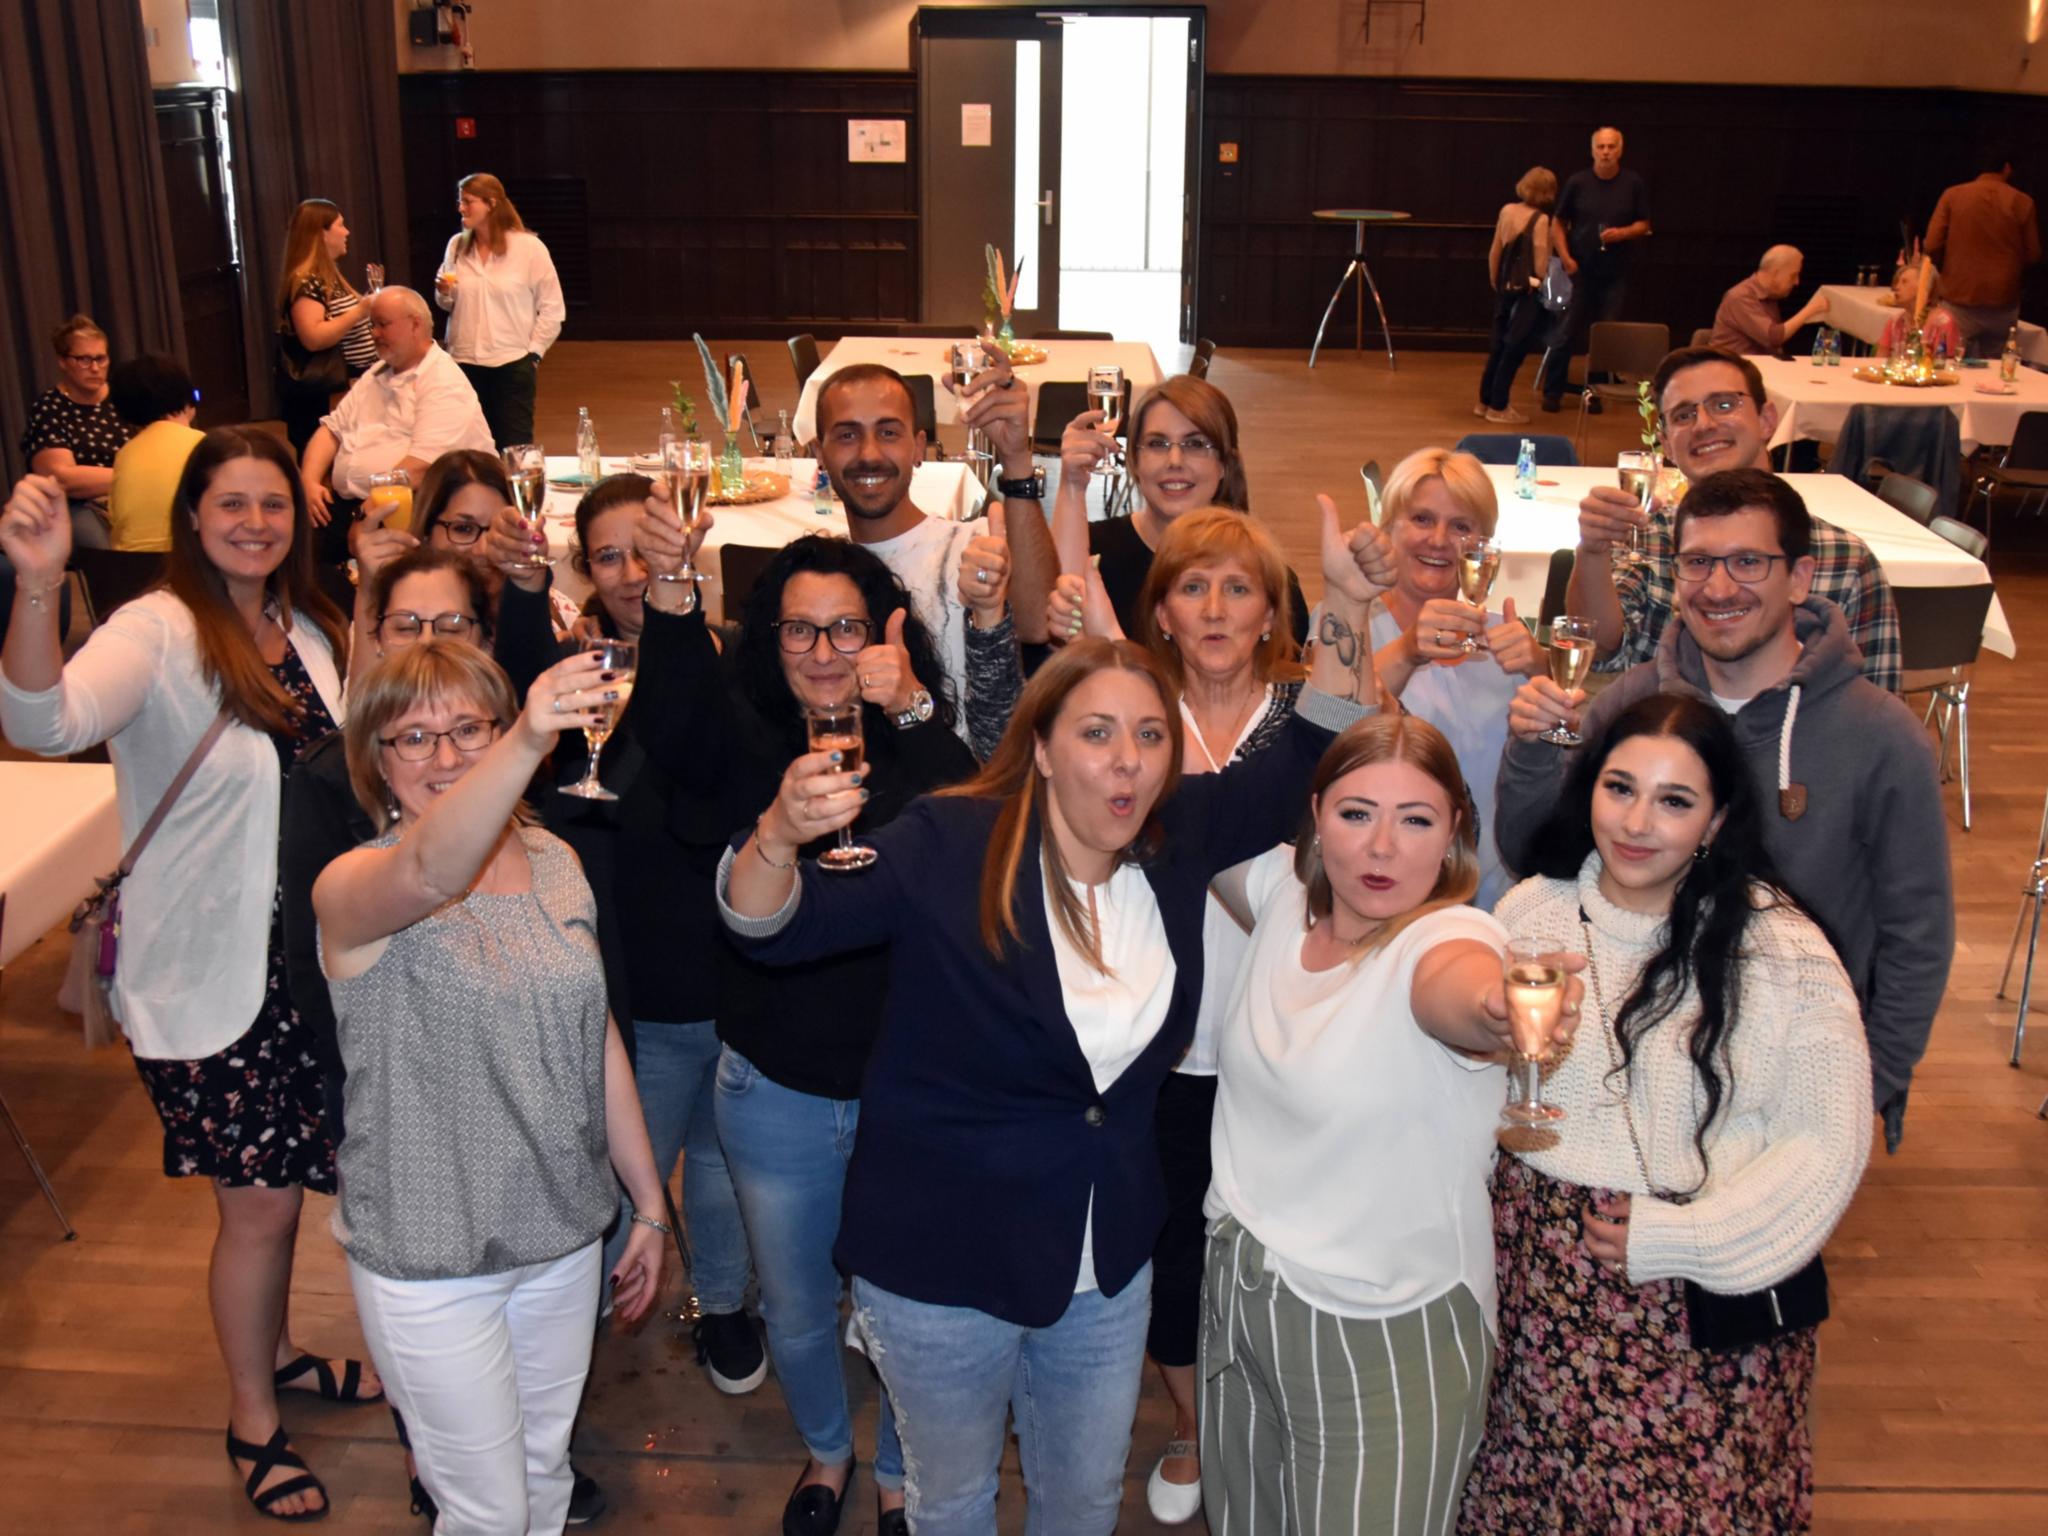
(1604, 1418)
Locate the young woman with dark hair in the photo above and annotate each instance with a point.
(1718, 1119)
(318, 308)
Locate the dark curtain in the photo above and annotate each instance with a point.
(84, 223)
(313, 112)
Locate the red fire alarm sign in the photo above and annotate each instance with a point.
(465, 127)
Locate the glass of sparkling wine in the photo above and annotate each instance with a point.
(1106, 394)
(1571, 658)
(1535, 994)
(526, 466)
(1478, 564)
(969, 363)
(836, 728)
(619, 658)
(1638, 472)
(373, 276)
(687, 464)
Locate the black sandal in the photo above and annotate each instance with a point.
(422, 1501)
(268, 1457)
(348, 1390)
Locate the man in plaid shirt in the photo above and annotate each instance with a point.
(1715, 417)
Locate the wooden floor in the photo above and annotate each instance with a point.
(1930, 1408)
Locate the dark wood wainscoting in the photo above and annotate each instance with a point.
(209, 274)
(680, 201)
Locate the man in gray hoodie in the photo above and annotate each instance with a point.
(1855, 821)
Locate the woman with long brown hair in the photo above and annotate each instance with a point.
(318, 311)
(236, 653)
(1044, 924)
(504, 305)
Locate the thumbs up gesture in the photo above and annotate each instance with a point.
(985, 572)
(1513, 646)
(883, 670)
(1358, 566)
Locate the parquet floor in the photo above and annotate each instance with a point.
(1929, 1416)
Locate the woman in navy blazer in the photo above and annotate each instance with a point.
(1045, 932)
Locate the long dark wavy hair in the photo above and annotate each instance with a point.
(1714, 903)
(759, 654)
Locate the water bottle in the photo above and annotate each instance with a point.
(1525, 470)
(1834, 348)
(586, 446)
(785, 444)
(1941, 351)
(821, 493)
(1820, 347)
(668, 434)
(2009, 359)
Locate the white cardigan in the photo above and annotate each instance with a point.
(195, 915)
(1787, 1149)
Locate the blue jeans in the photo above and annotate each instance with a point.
(956, 1375)
(788, 1153)
(675, 1066)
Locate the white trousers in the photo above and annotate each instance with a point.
(488, 1372)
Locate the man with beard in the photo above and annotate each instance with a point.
(1715, 416)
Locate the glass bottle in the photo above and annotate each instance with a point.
(587, 463)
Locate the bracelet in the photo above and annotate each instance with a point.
(38, 595)
(660, 1226)
(763, 851)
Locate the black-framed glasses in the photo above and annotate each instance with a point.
(1745, 565)
(1195, 446)
(460, 530)
(470, 737)
(400, 625)
(797, 636)
(1720, 407)
(87, 359)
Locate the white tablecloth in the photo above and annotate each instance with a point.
(61, 828)
(1910, 555)
(1862, 313)
(1065, 362)
(1814, 402)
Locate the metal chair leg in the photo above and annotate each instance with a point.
(1331, 308)
(2019, 1024)
(1963, 746)
(35, 1167)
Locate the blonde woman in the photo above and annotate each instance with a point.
(317, 310)
(504, 305)
(1515, 264)
(1938, 329)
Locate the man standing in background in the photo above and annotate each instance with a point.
(1982, 236)
(1600, 213)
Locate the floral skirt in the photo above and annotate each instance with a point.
(1604, 1418)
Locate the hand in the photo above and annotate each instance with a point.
(658, 536)
(985, 571)
(636, 1281)
(570, 695)
(586, 630)
(816, 799)
(1605, 518)
(1084, 445)
(35, 528)
(1000, 411)
(375, 546)
(1571, 267)
(1539, 705)
(1065, 609)
(1606, 1231)
(1358, 566)
(319, 501)
(1441, 627)
(509, 542)
(1514, 647)
(1493, 1009)
(1610, 234)
(883, 671)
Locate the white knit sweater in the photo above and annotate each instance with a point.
(1788, 1147)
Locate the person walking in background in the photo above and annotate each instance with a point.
(1515, 264)
(321, 319)
(1603, 210)
(1750, 320)
(157, 399)
(504, 305)
(1985, 233)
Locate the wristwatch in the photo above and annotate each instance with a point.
(920, 710)
(1030, 488)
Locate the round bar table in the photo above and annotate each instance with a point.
(1359, 218)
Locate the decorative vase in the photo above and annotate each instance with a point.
(732, 469)
(1006, 338)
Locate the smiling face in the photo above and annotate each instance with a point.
(1215, 615)
(1176, 472)
(416, 785)
(821, 675)
(1728, 429)
(616, 570)
(1731, 621)
(464, 519)
(868, 447)
(1653, 805)
(1427, 536)
(1105, 759)
(244, 520)
(427, 595)
(1385, 830)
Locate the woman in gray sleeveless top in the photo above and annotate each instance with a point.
(487, 1086)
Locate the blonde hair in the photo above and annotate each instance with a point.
(502, 219)
(1392, 739)
(1910, 269)
(77, 326)
(1209, 537)
(1538, 187)
(1462, 475)
(433, 671)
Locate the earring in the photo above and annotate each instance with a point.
(1701, 851)
(1315, 844)
(1265, 635)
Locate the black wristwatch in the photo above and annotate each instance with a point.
(1030, 488)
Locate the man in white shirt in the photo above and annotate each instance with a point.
(406, 412)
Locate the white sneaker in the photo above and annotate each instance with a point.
(1479, 409)
(1173, 1503)
(1507, 418)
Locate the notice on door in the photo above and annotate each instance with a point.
(976, 125)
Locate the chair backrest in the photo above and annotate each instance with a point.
(1704, 336)
(114, 576)
(739, 572)
(1629, 349)
(2029, 448)
(1059, 402)
(1205, 353)
(1554, 584)
(924, 409)
(1056, 335)
(1506, 447)
(803, 354)
(1916, 498)
(1940, 626)
(1923, 441)
(1962, 535)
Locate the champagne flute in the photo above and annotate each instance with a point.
(1572, 639)
(373, 276)
(1478, 564)
(687, 464)
(837, 728)
(620, 657)
(1638, 470)
(1106, 394)
(969, 362)
(526, 466)
(1534, 977)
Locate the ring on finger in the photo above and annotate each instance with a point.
(558, 706)
(981, 574)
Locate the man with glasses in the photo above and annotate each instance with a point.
(1853, 816)
(1715, 417)
(74, 431)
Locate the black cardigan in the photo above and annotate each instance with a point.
(981, 1133)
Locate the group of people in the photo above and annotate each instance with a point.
(1169, 1019)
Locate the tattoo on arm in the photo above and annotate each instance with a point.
(1350, 650)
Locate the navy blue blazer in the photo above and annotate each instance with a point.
(981, 1131)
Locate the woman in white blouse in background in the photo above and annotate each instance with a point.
(504, 305)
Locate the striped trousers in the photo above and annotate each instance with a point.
(1319, 1425)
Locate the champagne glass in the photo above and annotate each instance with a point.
(1571, 659)
(1535, 993)
(1478, 564)
(836, 728)
(1106, 394)
(969, 362)
(526, 466)
(373, 275)
(619, 659)
(1638, 470)
(687, 464)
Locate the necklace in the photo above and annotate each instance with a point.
(1614, 1064)
(1238, 720)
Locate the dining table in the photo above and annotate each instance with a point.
(62, 828)
(1864, 312)
(1815, 402)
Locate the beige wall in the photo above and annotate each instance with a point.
(1970, 43)
(170, 55)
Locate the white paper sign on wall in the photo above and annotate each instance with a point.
(876, 141)
(977, 124)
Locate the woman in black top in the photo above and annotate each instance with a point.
(1515, 265)
(826, 618)
(73, 431)
(318, 312)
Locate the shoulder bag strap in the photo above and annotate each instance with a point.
(176, 788)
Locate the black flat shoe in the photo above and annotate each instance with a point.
(423, 1503)
(892, 1522)
(813, 1509)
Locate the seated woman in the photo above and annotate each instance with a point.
(1938, 332)
(1435, 499)
(1043, 933)
(73, 430)
(464, 504)
(461, 955)
(1718, 1104)
(157, 399)
(1359, 1092)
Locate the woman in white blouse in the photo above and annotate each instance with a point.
(504, 305)
(1347, 1330)
(238, 629)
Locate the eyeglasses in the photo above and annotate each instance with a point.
(470, 738)
(797, 636)
(401, 625)
(1720, 407)
(461, 530)
(610, 558)
(1745, 565)
(87, 359)
(1195, 446)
